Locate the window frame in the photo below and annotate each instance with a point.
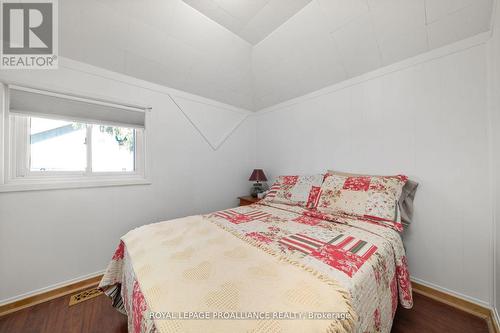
(15, 170)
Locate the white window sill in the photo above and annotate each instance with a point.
(44, 184)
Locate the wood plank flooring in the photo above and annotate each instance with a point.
(97, 316)
(429, 315)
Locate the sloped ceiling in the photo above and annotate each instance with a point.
(333, 40)
(161, 41)
(252, 20)
(320, 43)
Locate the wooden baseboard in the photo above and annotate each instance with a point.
(49, 295)
(459, 303)
(495, 322)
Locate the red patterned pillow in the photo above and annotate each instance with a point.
(370, 197)
(296, 190)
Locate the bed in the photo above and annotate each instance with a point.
(360, 261)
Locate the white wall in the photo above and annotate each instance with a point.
(161, 41)
(426, 118)
(47, 237)
(494, 70)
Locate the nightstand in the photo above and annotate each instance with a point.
(247, 200)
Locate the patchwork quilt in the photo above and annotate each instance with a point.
(363, 263)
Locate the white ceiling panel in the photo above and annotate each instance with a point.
(271, 16)
(368, 34)
(397, 17)
(358, 46)
(460, 24)
(340, 12)
(252, 20)
(243, 10)
(436, 10)
(403, 46)
(255, 53)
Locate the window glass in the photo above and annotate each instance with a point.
(113, 149)
(57, 145)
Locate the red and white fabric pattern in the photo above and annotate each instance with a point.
(300, 191)
(367, 259)
(365, 256)
(369, 197)
(237, 218)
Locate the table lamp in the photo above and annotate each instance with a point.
(257, 176)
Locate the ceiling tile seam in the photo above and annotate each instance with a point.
(427, 42)
(267, 2)
(272, 32)
(333, 31)
(377, 40)
(234, 34)
(341, 56)
(426, 16)
(431, 55)
(426, 24)
(351, 20)
(449, 13)
(493, 16)
(229, 14)
(253, 83)
(257, 13)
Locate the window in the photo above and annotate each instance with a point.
(113, 149)
(56, 145)
(56, 139)
(63, 146)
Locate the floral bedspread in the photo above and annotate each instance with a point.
(366, 258)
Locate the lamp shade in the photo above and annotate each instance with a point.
(258, 176)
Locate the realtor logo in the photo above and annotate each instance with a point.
(29, 34)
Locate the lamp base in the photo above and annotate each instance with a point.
(256, 189)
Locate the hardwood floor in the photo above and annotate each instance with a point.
(93, 316)
(429, 315)
(97, 316)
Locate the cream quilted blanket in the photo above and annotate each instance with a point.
(189, 266)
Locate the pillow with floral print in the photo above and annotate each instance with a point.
(369, 197)
(405, 201)
(296, 190)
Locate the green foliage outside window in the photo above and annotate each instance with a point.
(125, 137)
